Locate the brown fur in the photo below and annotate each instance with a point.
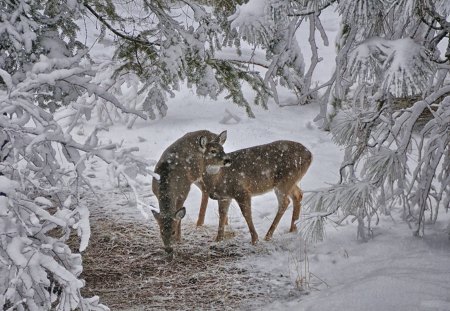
(253, 171)
(180, 165)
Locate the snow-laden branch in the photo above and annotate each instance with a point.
(31, 259)
(403, 67)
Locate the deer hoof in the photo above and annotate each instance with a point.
(268, 238)
(293, 229)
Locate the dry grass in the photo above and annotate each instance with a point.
(125, 265)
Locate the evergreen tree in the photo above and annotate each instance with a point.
(387, 55)
(43, 66)
(173, 43)
(388, 104)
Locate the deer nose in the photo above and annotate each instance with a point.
(169, 250)
(227, 162)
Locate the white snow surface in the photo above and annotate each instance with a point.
(392, 271)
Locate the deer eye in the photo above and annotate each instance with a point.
(213, 151)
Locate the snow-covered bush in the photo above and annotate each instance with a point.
(38, 270)
(41, 159)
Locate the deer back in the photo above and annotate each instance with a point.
(259, 169)
(185, 156)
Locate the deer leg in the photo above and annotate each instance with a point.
(178, 232)
(296, 195)
(246, 209)
(223, 212)
(179, 204)
(283, 202)
(203, 206)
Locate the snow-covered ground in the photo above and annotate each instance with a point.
(392, 271)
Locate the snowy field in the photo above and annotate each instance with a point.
(392, 271)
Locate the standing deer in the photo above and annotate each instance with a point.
(253, 171)
(181, 165)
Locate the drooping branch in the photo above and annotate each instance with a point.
(114, 30)
(314, 53)
(314, 11)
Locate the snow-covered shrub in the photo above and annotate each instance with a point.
(41, 158)
(39, 271)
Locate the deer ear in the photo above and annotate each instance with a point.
(202, 141)
(180, 213)
(222, 137)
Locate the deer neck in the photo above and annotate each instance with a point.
(212, 169)
(212, 176)
(214, 183)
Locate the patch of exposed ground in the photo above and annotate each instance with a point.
(126, 266)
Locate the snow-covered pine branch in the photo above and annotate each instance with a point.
(271, 26)
(39, 271)
(365, 13)
(402, 67)
(176, 43)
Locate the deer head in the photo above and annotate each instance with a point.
(214, 155)
(169, 226)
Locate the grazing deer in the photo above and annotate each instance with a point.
(279, 165)
(181, 165)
